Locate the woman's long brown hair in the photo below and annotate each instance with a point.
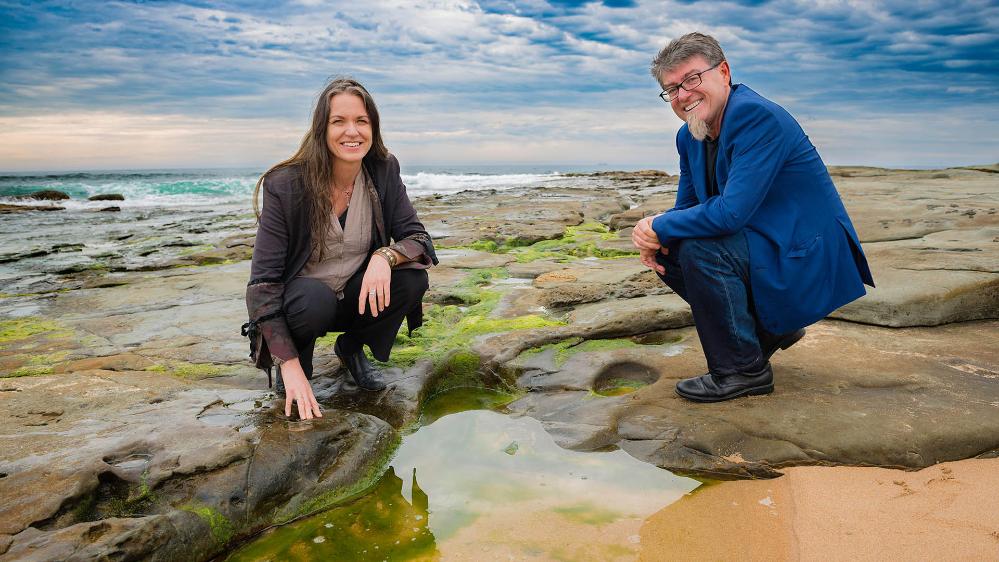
(316, 161)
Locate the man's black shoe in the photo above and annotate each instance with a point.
(365, 374)
(782, 341)
(714, 388)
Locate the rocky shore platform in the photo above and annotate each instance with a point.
(136, 429)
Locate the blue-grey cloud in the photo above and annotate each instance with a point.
(541, 71)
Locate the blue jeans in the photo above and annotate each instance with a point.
(712, 275)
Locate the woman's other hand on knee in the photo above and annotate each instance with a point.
(376, 286)
(298, 389)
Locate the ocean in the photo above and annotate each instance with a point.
(234, 187)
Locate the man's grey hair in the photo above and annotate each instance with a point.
(682, 49)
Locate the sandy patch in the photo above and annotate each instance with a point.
(944, 512)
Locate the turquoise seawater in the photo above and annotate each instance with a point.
(221, 183)
(236, 184)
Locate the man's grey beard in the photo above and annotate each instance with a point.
(698, 127)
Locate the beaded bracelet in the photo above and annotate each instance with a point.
(389, 256)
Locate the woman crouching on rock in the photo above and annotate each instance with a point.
(339, 249)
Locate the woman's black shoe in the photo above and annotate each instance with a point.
(364, 373)
(279, 385)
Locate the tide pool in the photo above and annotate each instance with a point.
(481, 485)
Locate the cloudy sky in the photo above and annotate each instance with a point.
(151, 84)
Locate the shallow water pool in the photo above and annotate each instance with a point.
(481, 485)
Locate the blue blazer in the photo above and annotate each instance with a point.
(804, 254)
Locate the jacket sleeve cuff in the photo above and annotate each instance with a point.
(263, 304)
(414, 252)
(279, 342)
(659, 226)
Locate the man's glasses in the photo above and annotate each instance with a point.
(688, 84)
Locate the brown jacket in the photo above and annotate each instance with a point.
(284, 244)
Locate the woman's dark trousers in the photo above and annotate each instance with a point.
(712, 275)
(312, 310)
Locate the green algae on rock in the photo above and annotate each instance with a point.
(196, 370)
(29, 371)
(32, 346)
(221, 527)
(461, 399)
(24, 328)
(383, 524)
(618, 387)
(469, 291)
(563, 350)
(372, 473)
(135, 501)
(31, 364)
(451, 328)
(114, 497)
(189, 371)
(581, 241)
(459, 369)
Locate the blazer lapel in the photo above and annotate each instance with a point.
(721, 168)
(695, 155)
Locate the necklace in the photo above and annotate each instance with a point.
(344, 194)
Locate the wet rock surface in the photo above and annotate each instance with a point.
(137, 429)
(6, 209)
(36, 256)
(845, 395)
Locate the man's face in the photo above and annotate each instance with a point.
(705, 102)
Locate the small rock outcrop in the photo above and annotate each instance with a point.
(48, 195)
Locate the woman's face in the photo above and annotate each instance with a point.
(348, 131)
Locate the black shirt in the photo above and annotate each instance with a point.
(710, 155)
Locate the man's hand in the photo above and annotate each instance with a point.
(643, 237)
(648, 259)
(647, 242)
(375, 286)
(297, 389)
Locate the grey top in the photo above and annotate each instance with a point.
(346, 247)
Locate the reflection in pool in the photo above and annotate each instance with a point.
(485, 486)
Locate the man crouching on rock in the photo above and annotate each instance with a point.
(758, 242)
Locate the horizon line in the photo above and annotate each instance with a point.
(571, 167)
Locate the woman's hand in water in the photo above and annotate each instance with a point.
(298, 389)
